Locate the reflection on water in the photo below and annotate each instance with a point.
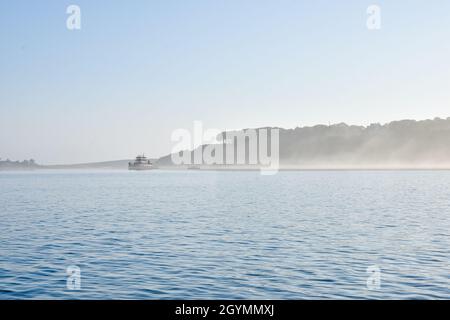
(230, 235)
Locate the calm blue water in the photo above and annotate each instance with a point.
(230, 235)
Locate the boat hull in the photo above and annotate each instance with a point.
(140, 167)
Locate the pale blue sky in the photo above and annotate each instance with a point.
(137, 70)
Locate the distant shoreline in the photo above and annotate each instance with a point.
(228, 169)
(398, 145)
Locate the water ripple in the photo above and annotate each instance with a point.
(219, 235)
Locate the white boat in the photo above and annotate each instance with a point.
(141, 163)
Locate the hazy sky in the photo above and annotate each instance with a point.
(137, 70)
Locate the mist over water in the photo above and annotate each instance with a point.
(194, 234)
(405, 144)
(398, 144)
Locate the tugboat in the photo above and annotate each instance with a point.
(141, 163)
